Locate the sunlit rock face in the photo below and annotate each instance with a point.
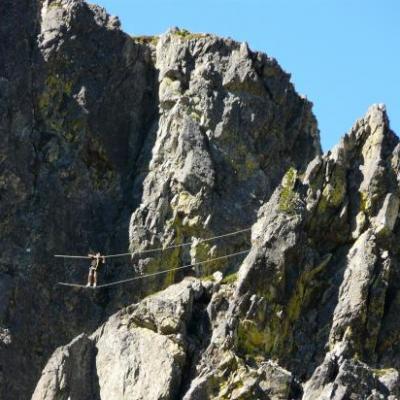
(112, 142)
(230, 125)
(318, 292)
(121, 144)
(311, 314)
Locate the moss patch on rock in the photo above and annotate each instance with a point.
(146, 39)
(334, 191)
(288, 196)
(187, 35)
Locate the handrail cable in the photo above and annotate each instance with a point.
(157, 273)
(146, 251)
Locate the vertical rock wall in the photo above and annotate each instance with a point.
(184, 138)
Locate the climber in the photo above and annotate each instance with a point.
(94, 264)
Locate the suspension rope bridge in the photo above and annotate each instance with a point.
(159, 249)
(165, 271)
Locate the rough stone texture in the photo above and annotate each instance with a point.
(185, 135)
(128, 358)
(133, 356)
(339, 377)
(173, 139)
(76, 97)
(230, 124)
(313, 310)
(69, 373)
(318, 291)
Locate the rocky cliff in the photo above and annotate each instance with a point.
(119, 143)
(126, 144)
(311, 315)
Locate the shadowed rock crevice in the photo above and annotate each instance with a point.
(198, 338)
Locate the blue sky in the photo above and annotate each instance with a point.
(343, 54)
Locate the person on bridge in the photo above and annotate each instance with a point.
(94, 265)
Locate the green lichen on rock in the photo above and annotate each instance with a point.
(259, 339)
(55, 4)
(334, 191)
(187, 35)
(193, 112)
(271, 334)
(305, 286)
(231, 278)
(146, 39)
(383, 371)
(365, 202)
(55, 90)
(288, 196)
(184, 226)
(57, 109)
(201, 252)
(251, 339)
(305, 292)
(171, 259)
(240, 158)
(195, 116)
(251, 164)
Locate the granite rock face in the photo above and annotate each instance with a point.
(230, 124)
(319, 291)
(312, 314)
(139, 353)
(112, 142)
(76, 98)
